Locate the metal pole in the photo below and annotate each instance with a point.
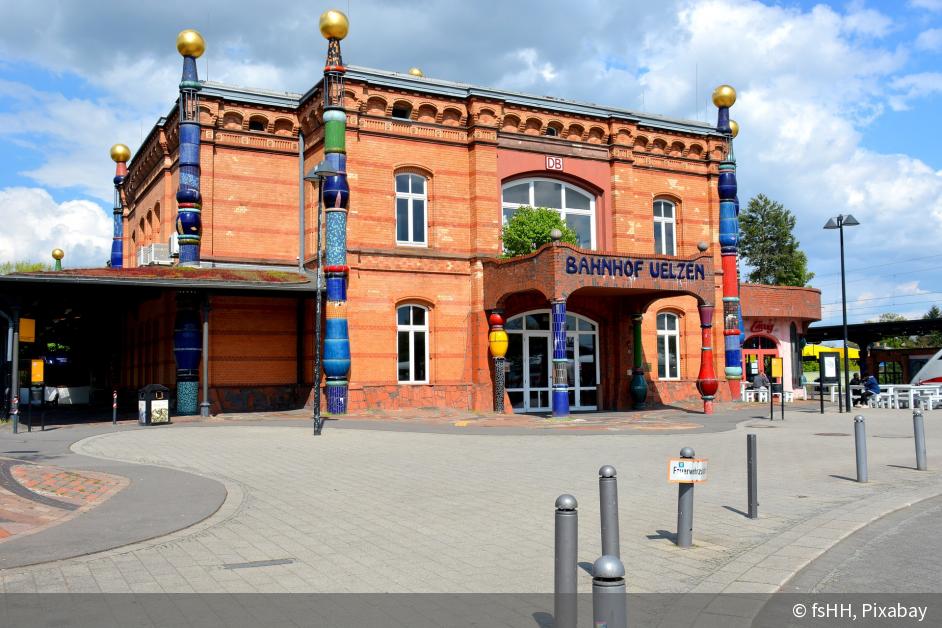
(860, 446)
(771, 401)
(847, 406)
(15, 374)
(840, 390)
(782, 378)
(608, 509)
(204, 406)
(609, 602)
(318, 420)
(919, 430)
(566, 566)
(114, 407)
(685, 507)
(301, 201)
(821, 380)
(752, 476)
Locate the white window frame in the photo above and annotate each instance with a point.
(662, 336)
(412, 330)
(661, 221)
(563, 211)
(410, 197)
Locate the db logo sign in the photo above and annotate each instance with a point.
(554, 163)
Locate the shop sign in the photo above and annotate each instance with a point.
(686, 470)
(27, 330)
(777, 367)
(554, 163)
(762, 327)
(623, 267)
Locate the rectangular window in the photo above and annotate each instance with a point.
(402, 219)
(411, 214)
(404, 356)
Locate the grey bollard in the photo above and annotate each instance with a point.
(608, 510)
(860, 446)
(566, 565)
(609, 603)
(114, 408)
(919, 431)
(752, 476)
(685, 506)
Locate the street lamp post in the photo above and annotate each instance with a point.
(839, 223)
(318, 174)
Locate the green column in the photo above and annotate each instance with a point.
(639, 387)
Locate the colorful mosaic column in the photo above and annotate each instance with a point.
(120, 154)
(187, 332)
(560, 364)
(723, 97)
(187, 349)
(706, 379)
(334, 27)
(190, 44)
(639, 387)
(498, 341)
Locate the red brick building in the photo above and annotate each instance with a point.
(434, 168)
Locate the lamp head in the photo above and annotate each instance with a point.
(831, 224)
(321, 171)
(850, 221)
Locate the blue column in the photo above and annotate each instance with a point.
(560, 375)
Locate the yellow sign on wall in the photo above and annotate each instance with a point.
(27, 330)
(36, 370)
(777, 367)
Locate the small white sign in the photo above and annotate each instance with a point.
(554, 163)
(830, 367)
(686, 470)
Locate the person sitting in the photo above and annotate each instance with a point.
(760, 380)
(871, 388)
(855, 381)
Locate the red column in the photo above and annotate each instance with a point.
(706, 379)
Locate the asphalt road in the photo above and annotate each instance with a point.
(898, 553)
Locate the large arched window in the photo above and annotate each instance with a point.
(577, 207)
(411, 214)
(412, 343)
(665, 242)
(668, 346)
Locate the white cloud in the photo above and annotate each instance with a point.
(34, 224)
(534, 71)
(930, 5)
(930, 39)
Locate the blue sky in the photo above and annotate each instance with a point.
(838, 102)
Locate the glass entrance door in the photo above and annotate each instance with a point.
(529, 362)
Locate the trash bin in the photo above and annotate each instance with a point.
(153, 405)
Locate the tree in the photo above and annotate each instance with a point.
(895, 342)
(769, 246)
(529, 229)
(22, 267)
(933, 339)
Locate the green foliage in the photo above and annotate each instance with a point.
(529, 229)
(933, 339)
(23, 267)
(769, 246)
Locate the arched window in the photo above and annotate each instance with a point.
(402, 110)
(577, 207)
(412, 342)
(258, 124)
(411, 205)
(668, 346)
(664, 239)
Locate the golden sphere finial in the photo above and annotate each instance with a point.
(58, 254)
(120, 152)
(334, 24)
(190, 43)
(734, 128)
(724, 96)
(416, 72)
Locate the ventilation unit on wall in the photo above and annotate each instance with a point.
(173, 245)
(154, 254)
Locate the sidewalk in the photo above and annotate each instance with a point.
(366, 510)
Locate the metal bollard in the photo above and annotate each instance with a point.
(608, 507)
(566, 566)
(15, 411)
(919, 430)
(114, 407)
(685, 507)
(860, 446)
(609, 603)
(752, 476)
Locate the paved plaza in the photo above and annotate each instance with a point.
(373, 510)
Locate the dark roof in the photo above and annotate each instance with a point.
(871, 332)
(170, 277)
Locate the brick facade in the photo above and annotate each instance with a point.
(467, 143)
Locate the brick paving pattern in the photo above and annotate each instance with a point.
(385, 511)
